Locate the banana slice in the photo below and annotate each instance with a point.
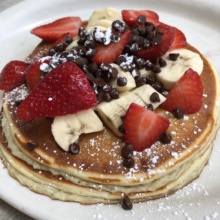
(121, 73)
(67, 129)
(172, 72)
(111, 112)
(103, 18)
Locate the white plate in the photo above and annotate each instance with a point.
(199, 20)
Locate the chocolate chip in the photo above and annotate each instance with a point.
(114, 72)
(114, 93)
(99, 82)
(157, 40)
(154, 97)
(81, 32)
(89, 44)
(105, 66)
(93, 67)
(165, 138)
(149, 107)
(79, 62)
(115, 37)
(121, 59)
(107, 97)
(32, 145)
(140, 81)
(59, 47)
(126, 203)
(142, 31)
(158, 86)
(148, 65)
(74, 148)
(119, 26)
(156, 68)
(52, 51)
(68, 39)
(178, 113)
(150, 79)
(107, 87)
(134, 47)
(128, 162)
(140, 63)
(162, 62)
(141, 19)
(150, 36)
(121, 81)
(127, 151)
(174, 56)
(121, 129)
(90, 53)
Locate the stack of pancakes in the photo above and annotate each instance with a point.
(97, 174)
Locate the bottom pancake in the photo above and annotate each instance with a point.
(52, 183)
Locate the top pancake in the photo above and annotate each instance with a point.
(99, 159)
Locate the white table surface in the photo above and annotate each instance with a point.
(7, 212)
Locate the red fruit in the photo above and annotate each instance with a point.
(34, 74)
(130, 16)
(186, 94)
(109, 53)
(156, 51)
(12, 75)
(143, 127)
(54, 30)
(179, 40)
(64, 90)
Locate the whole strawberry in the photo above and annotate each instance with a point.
(12, 75)
(64, 90)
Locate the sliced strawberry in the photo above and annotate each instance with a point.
(64, 90)
(179, 40)
(143, 127)
(156, 51)
(34, 73)
(130, 16)
(54, 30)
(109, 53)
(12, 75)
(186, 94)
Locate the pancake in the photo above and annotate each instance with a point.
(96, 174)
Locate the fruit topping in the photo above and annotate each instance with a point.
(186, 94)
(64, 90)
(156, 44)
(12, 75)
(34, 73)
(143, 127)
(133, 17)
(179, 40)
(54, 30)
(109, 53)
